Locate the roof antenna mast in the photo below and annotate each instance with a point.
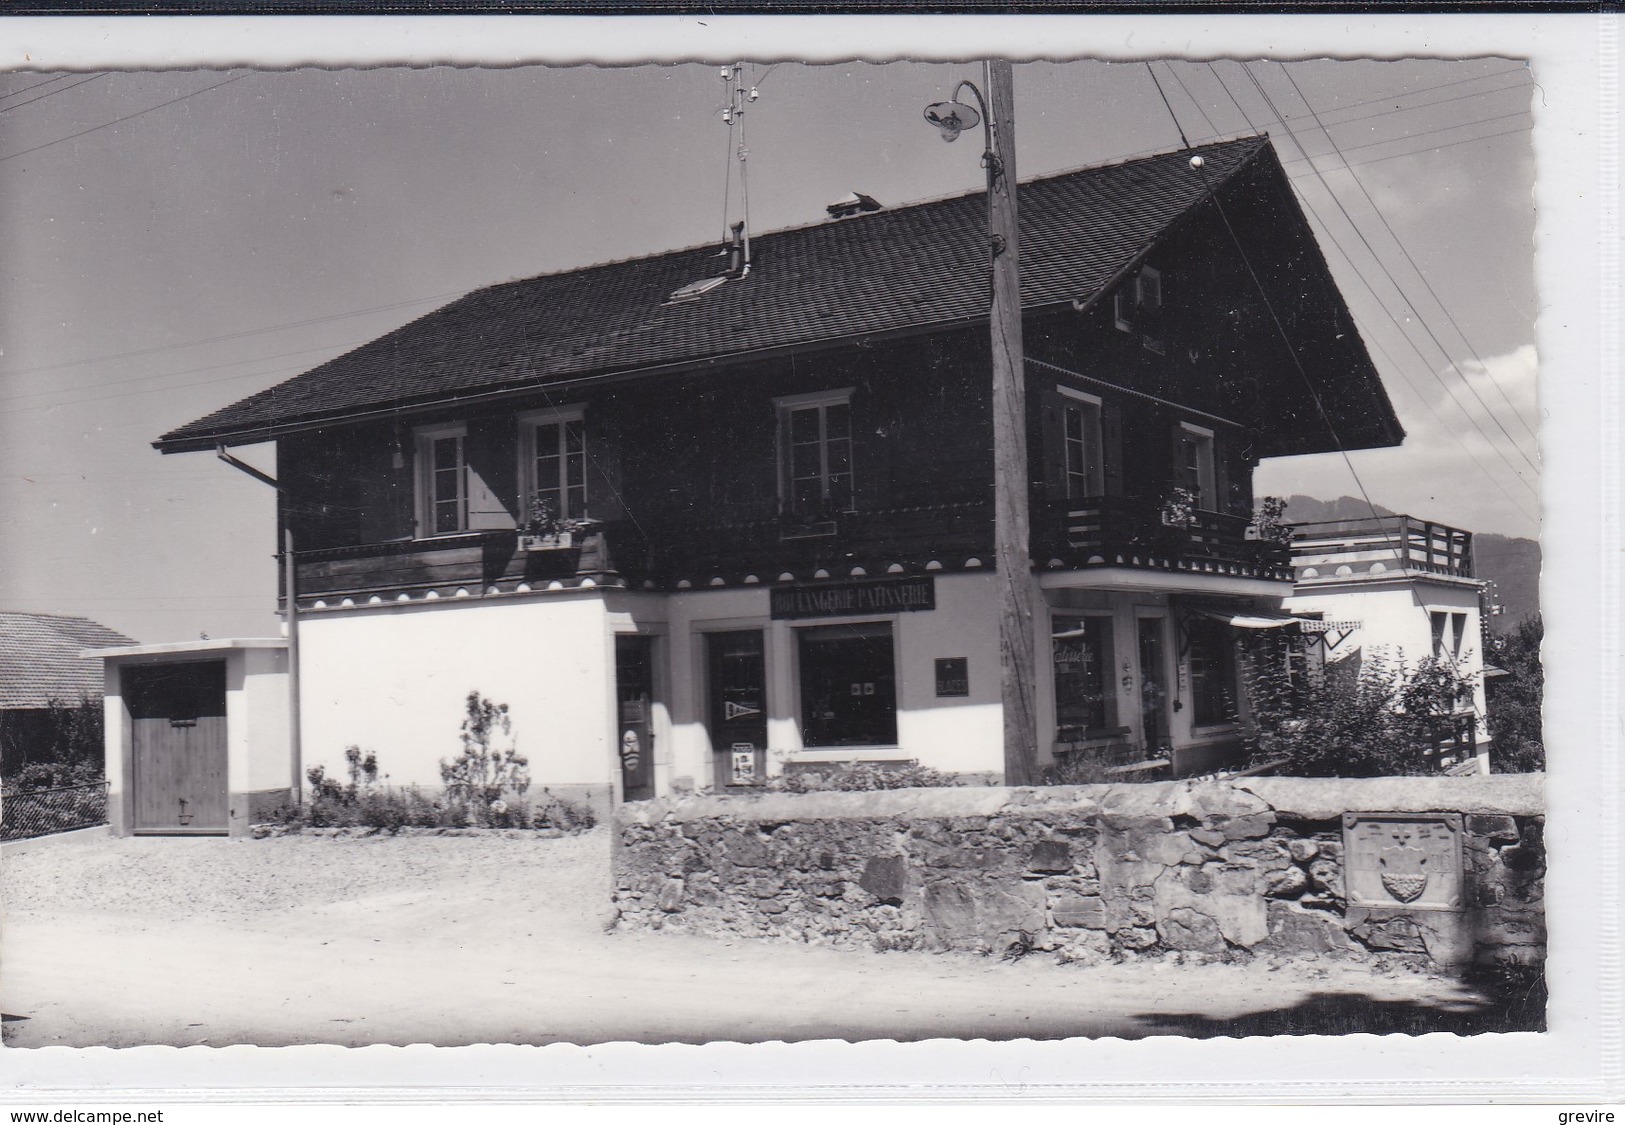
(739, 97)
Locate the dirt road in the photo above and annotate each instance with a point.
(477, 940)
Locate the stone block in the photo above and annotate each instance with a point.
(1247, 827)
(1208, 837)
(973, 916)
(1398, 933)
(1268, 855)
(1186, 928)
(1297, 931)
(671, 896)
(1233, 902)
(1137, 937)
(747, 849)
(885, 877)
(1165, 848)
(1326, 874)
(1289, 882)
(1050, 857)
(1080, 911)
(1301, 850)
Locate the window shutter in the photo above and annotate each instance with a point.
(1054, 451)
(1111, 432)
(1222, 500)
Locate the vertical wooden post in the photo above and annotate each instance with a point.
(1011, 550)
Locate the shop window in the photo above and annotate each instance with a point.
(1081, 652)
(815, 452)
(848, 687)
(554, 469)
(1213, 672)
(1193, 465)
(442, 481)
(1081, 444)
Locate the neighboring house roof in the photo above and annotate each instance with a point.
(40, 661)
(898, 270)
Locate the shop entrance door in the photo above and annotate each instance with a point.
(736, 666)
(634, 691)
(1153, 684)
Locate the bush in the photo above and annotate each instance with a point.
(1080, 767)
(485, 772)
(1515, 706)
(859, 777)
(1377, 722)
(59, 746)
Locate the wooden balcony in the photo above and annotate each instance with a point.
(1382, 544)
(1122, 531)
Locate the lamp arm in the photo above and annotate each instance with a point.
(990, 157)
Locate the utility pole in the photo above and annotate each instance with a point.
(1012, 561)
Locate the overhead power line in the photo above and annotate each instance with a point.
(53, 93)
(1437, 300)
(121, 120)
(1364, 281)
(1398, 288)
(34, 86)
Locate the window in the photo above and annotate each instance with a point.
(1084, 465)
(1458, 622)
(554, 448)
(848, 686)
(815, 452)
(1213, 672)
(442, 483)
(1448, 630)
(1193, 465)
(1138, 300)
(1081, 651)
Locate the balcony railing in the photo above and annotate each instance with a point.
(1413, 544)
(1123, 531)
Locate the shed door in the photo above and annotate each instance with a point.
(178, 734)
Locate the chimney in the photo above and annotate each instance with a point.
(738, 261)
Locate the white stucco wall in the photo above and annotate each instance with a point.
(264, 711)
(393, 680)
(1395, 622)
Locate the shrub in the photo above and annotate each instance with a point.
(59, 746)
(1379, 721)
(1514, 710)
(859, 777)
(1080, 767)
(485, 772)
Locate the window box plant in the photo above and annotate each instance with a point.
(546, 530)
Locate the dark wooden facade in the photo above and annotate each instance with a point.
(684, 467)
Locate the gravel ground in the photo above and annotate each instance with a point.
(454, 940)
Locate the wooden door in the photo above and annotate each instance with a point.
(634, 691)
(178, 734)
(737, 667)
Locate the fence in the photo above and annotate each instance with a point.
(41, 812)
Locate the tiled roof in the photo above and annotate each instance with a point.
(40, 661)
(886, 271)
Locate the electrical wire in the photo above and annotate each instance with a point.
(1392, 280)
(52, 93)
(1372, 203)
(1420, 151)
(1286, 340)
(1191, 97)
(1183, 142)
(121, 120)
(36, 86)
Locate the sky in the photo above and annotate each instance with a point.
(175, 241)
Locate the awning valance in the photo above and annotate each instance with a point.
(1329, 633)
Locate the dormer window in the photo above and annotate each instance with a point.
(1137, 305)
(442, 481)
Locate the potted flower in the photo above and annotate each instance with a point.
(546, 530)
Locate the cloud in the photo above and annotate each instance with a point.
(1456, 465)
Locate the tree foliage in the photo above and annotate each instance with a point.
(489, 765)
(1515, 706)
(1377, 721)
(58, 746)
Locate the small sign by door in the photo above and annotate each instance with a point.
(744, 764)
(953, 678)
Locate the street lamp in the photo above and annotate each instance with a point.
(1011, 551)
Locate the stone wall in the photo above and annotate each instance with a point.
(1223, 870)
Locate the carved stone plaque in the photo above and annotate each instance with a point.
(1403, 860)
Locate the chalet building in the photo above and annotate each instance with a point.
(1399, 589)
(697, 518)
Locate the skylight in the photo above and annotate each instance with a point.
(695, 289)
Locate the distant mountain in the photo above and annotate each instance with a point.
(1512, 564)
